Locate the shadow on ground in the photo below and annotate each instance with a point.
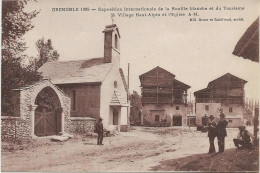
(231, 160)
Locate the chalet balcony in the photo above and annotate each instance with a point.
(221, 100)
(165, 91)
(161, 100)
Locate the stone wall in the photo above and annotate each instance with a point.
(14, 128)
(22, 124)
(80, 125)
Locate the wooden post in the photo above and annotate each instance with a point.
(256, 123)
(128, 111)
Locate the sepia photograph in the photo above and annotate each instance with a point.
(130, 86)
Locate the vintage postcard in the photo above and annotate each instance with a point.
(130, 86)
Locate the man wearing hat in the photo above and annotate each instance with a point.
(211, 134)
(99, 130)
(221, 132)
(243, 138)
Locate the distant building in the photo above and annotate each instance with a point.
(164, 99)
(97, 86)
(224, 94)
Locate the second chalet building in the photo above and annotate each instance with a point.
(164, 99)
(225, 94)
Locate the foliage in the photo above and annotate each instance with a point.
(136, 106)
(46, 53)
(220, 110)
(15, 23)
(47, 99)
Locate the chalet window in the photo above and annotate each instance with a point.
(74, 100)
(230, 109)
(115, 84)
(177, 108)
(206, 107)
(230, 121)
(157, 118)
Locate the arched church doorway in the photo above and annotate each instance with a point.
(48, 113)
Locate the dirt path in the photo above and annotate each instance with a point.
(137, 150)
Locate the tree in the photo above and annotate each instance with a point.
(15, 23)
(136, 106)
(46, 53)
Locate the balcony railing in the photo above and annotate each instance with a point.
(162, 100)
(223, 101)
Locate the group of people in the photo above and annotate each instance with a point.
(214, 130)
(219, 130)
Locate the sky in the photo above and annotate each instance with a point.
(195, 52)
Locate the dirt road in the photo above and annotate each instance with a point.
(141, 149)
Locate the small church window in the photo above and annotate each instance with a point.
(230, 109)
(206, 107)
(115, 84)
(177, 108)
(157, 118)
(74, 100)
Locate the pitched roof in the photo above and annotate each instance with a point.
(110, 28)
(118, 100)
(205, 90)
(248, 45)
(181, 83)
(228, 75)
(157, 68)
(81, 71)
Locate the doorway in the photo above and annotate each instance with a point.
(47, 114)
(177, 121)
(115, 117)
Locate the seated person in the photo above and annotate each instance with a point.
(243, 138)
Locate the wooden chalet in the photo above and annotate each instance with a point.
(225, 93)
(163, 97)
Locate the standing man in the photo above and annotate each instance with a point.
(243, 138)
(211, 134)
(221, 132)
(99, 130)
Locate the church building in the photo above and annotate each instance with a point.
(96, 86)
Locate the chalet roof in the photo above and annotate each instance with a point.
(157, 68)
(202, 90)
(248, 45)
(118, 100)
(181, 83)
(81, 71)
(227, 75)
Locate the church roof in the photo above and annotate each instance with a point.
(81, 71)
